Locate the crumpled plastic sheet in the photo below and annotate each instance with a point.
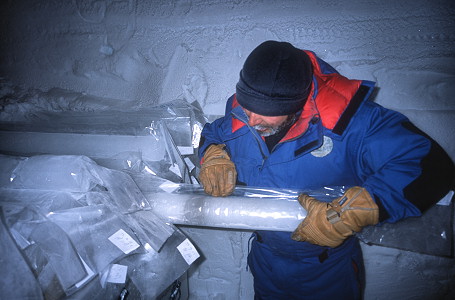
(153, 278)
(178, 114)
(20, 284)
(62, 212)
(47, 247)
(431, 234)
(87, 227)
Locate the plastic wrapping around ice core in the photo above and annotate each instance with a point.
(248, 208)
(253, 208)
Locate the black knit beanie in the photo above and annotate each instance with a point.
(275, 79)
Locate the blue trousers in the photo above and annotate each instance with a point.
(332, 273)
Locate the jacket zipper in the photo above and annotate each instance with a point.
(256, 136)
(313, 120)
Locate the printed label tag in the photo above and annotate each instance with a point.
(117, 274)
(123, 241)
(188, 252)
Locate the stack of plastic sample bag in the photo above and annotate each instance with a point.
(77, 230)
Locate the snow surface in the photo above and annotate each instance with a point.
(84, 55)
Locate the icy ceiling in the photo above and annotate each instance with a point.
(150, 51)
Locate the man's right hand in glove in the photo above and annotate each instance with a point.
(218, 174)
(329, 224)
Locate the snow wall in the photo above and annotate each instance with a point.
(93, 55)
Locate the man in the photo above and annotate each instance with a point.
(296, 123)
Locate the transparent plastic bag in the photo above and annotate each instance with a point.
(431, 233)
(90, 228)
(46, 201)
(50, 172)
(20, 284)
(52, 254)
(152, 273)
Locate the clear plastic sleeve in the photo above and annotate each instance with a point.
(228, 212)
(253, 208)
(47, 247)
(89, 228)
(49, 172)
(20, 284)
(152, 274)
(432, 233)
(248, 208)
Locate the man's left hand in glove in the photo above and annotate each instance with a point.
(329, 224)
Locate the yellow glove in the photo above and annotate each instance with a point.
(329, 224)
(218, 174)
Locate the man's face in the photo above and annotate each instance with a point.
(267, 126)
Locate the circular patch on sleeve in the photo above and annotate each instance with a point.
(325, 149)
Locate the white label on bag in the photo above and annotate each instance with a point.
(188, 251)
(117, 274)
(123, 241)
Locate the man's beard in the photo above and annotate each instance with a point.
(266, 131)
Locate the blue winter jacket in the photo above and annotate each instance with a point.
(340, 139)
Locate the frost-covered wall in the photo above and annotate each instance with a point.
(148, 52)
